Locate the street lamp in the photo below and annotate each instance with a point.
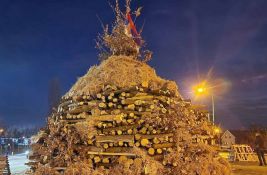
(203, 89)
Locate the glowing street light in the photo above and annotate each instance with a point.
(217, 130)
(200, 90)
(203, 89)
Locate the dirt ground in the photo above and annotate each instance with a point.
(248, 168)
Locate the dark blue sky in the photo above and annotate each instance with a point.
(43, 40)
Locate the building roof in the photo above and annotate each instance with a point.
(227, 131)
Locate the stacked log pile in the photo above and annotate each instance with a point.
(128, 126)
(122, 119)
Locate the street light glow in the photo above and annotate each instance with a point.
(200, 89)
(217, 130)
(203, 89)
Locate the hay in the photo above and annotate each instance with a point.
(122, 72)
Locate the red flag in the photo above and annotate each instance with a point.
(135, 34)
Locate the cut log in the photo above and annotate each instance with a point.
(145, 136)
(121, 128)
(102, 105)
(163, 145)
(144, 142)
(111, 154)
(151, 151)
(105, 160)
(97, 159)
(118, 149)
(108, 118)
(117, 138)
(81, 109)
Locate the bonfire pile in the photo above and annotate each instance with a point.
(121, 118)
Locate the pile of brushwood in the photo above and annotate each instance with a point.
(122, 119)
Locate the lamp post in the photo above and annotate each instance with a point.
(213, 109)
(202, 89)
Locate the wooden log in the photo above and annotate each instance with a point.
(137, 100)
(134, 112)
(97, 159)
(159, 151)
(120, 143)
(99, 96)
(83, 148)
(102, 105)
(73, 121)
(66, 103)
(144, 84)
(152, 136)
(130, 131)
(77, 98)
(121, 128)
(119, 132)
(106, 146)
(117, 138)
(151, 151)
(105, 160)
(108, 118)
(111, 154)
(137, 144)
(80, 109)
(115, 100)
(163, 145)
(144, 142)
(147, 97)
(156, 140)
(118, 149)
(130, 107)
(110, 104)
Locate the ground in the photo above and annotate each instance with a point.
(18, 167)
(17, 163)
(248, 168)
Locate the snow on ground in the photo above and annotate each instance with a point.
(17, 163)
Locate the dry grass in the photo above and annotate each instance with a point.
(248, 168)
(121, 71)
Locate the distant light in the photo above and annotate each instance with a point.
(27, 152)
(217, 130)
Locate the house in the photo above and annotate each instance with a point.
(228, 139)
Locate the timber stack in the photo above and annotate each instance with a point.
(121, 118)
